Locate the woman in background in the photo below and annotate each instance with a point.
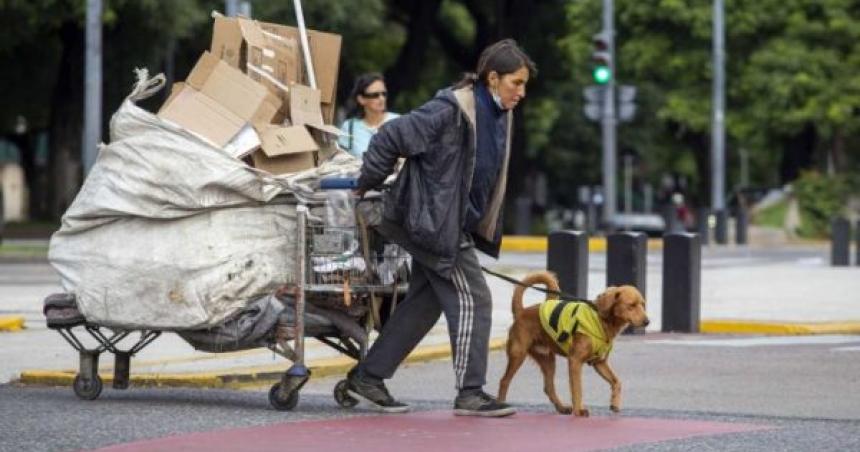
(367, 115)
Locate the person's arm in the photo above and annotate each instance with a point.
(407, 136)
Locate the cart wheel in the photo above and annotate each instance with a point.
(282, 404)
(87, 389)
(342, 397)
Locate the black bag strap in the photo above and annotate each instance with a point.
(351, 128)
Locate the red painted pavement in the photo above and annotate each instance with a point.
(441, 431)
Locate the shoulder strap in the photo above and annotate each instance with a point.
(351, 127)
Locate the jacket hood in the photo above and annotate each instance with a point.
(463, 98)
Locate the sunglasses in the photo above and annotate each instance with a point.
(375, 95)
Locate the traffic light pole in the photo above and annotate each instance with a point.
(718, 134)
(92, 131)
(609, 121)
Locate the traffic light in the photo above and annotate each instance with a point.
(601, 59)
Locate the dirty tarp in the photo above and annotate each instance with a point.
(170, 232)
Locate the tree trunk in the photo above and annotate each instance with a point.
(838, 151)
(64, 137)
(406, 71)
(700, 144)
(797, 153)
(33, 177)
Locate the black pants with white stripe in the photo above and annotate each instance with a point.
(465, 301)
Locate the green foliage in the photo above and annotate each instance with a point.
(821, 198)
(772, 216)
(788, 63)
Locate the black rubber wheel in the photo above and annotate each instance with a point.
(87, 389)
(282, 404)
(342, 397)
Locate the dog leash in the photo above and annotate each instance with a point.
(562, 295)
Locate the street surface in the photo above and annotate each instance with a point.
(680, 391)
(800, 393)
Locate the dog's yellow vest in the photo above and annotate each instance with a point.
(561, 319)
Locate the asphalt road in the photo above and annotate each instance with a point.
(803, 390)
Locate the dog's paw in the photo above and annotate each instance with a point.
(615, 408)
(562, 409)
(582, 413)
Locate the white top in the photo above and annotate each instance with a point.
(358, 138)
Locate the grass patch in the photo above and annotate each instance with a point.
(14, 250)
(772, 216)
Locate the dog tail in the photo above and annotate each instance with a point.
(547, 278)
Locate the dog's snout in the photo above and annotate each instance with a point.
(646, 322)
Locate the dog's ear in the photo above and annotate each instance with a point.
(607, 299)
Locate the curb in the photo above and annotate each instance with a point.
(777, 328)
(242, 378)
(11, 323)
(538, 243)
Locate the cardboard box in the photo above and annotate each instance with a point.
(284, 149)
(230, 42)
(218, 101)
(296, 147)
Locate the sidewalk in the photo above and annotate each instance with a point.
(745, 290)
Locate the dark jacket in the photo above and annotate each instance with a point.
(425, 208)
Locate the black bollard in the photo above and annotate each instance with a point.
(567, 257)
(703, 214)
(721, 231)
(741, 226)
(626, 261)
(840, 242)
(682, 275)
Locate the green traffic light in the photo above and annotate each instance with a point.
(602, 75)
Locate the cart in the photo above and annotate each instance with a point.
(346, 263)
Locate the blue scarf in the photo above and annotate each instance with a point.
(491, 129)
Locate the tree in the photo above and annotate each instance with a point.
(42, 55)
(792, 80)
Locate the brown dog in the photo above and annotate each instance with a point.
(590, 341)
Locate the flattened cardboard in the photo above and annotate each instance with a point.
(201, 115)
(217, 101)
(285, 164)
(270, 59)
(286, 140)
(174, 90)
(305, 110)
(325, 56)
(305, 105)
(227, 41)
(227, 44)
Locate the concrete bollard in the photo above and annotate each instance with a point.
(721, 231)
(741, 226)
(626, 259)
(840, 242)
(682, 276)
(703, 214)
(567, 257)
